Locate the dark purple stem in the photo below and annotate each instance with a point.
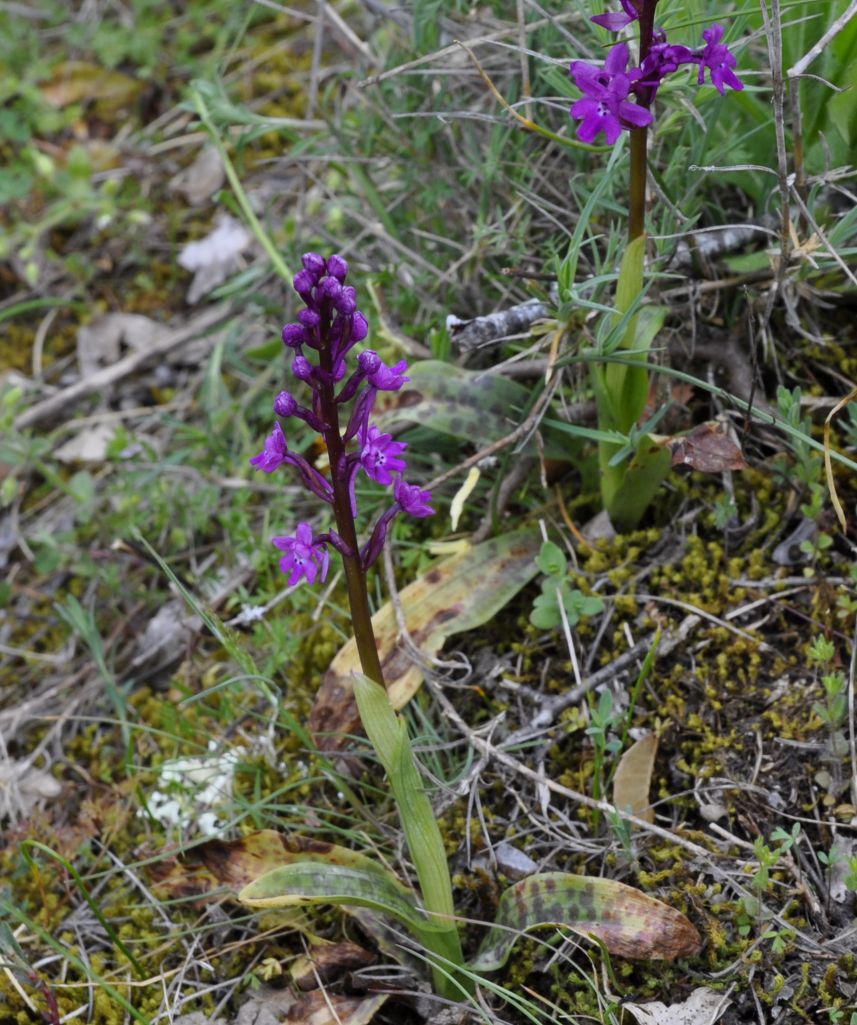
(640, 136)
(355, 576)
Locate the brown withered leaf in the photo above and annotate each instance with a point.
(457, 594)
(708, 448)
(208, 866)
(323, 1008)
(74, 81)
(633, 778)
(703, 1007)
(327, 962)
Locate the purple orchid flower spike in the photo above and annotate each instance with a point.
(605, 107)
(609, 92)
(324, 333)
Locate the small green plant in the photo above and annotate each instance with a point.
(767, 859)
(808, 467)
(833, 710)
(604, 722)
(556, 591)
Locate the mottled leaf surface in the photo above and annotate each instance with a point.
(316, 882)
(629, 923)
(457, 594)
(473, 405)
(236, 863)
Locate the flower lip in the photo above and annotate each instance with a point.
(389, 378)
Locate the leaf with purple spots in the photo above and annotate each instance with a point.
(628, 922)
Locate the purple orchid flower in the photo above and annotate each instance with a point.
(274, 453)
(606, 107)
(607, 103)
(615, 21)
(380, 456)
(305, 556)
(411, 499)
(719, 60)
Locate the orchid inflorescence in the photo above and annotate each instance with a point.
(327, 330)
(610, 91)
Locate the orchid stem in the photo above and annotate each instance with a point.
(355, 575)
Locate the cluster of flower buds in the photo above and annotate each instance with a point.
(607, 104)
(328, 328)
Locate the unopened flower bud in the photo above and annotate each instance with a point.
(329, 288)
(337, 267)
(313, 263)
(309, 318)
(285, 404)
(346, 304)
(294, 335)
(302, 368)
(359, 327)
(304, 282)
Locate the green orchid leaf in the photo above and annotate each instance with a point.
(468, 404)
(388, 733)
(456, 594)
(629, 490)
(319, 882)
(629, 923)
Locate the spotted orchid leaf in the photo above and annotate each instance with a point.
(456, 594)
(629, 923)
(466, 404)
(316, 882)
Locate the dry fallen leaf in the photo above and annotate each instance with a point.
(634, 778)
(457, 594)
(202, 178)
(323, 1008)
(100, 343)
(74, 81)
(702, 1007)
(708, 448)
(22, 787)
(215, 257)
